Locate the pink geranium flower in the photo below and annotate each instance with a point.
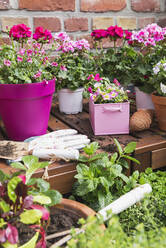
(20, 31)
(63, 68)
(54, 64)
(19, 59)
(97, 77)
(99, 33)
(38, 74)
(40, 33)
(7, 62)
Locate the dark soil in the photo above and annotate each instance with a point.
(60, 220)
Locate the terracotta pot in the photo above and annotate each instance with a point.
(76, 207)
(160, 109)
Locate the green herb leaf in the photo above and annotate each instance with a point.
(130, 147)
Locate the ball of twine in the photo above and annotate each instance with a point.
(141, 120)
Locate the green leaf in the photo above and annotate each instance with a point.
(131, 158)
(82, 169)
(101, 199)
(124, 178)
(91, 148)
(18, 165)
(55, 197)
(97, 156)
(114, 157)
(9, 245)
(12, 184)
(105, 183)
(83, 159)
(118, 146)
(42, 185)
(30, 160)
(42, 199)
(32, 242)
(31, 216)
(4, 206)
(3, 176)
(130, 147)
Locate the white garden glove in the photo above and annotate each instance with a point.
(61, 144)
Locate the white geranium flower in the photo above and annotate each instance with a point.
(163, 88)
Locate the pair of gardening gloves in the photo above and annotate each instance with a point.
(62, 144)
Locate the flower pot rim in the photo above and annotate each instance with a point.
(41, 82)
(66, 90)
(82, 209)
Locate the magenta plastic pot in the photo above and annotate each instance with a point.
(25, 108)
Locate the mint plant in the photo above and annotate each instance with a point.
(24, 200)
(101, 178)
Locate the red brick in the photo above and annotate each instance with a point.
(145, 5)
(51, 23)
(4, 4)
(106, 43)
(142, 22)
(76, 24)
(102, 5)
(162, 22)
(48, 5)
(5, 40)
(10, 21)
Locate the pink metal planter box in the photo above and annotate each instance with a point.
(109, 118)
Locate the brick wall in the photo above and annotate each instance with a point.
(79, 17)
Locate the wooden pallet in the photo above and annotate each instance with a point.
(150, 150)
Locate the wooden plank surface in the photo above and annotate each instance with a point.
(158, 158)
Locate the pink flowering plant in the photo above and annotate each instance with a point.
(158, 79)
(150, 44)
(26, 59)
(24, 203)
(101, 90)
(118, 58)
(71, 64)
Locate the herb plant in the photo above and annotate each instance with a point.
(101, 178)
(23, 201)
(151, 211)
(115, 237)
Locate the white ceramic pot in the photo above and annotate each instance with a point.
(143, 100)
(70, 102)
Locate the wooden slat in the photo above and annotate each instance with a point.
(145, 162)
(55, 124)
(159, 158)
